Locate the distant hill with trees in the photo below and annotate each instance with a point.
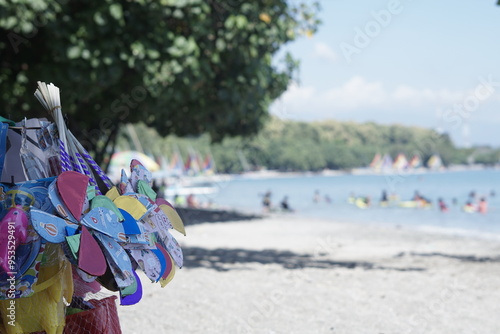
(299, 146)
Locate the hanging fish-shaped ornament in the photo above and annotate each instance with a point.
(148, 262)
(51, 228)
(128, 298)
(13, 233)
(105, 221)
(90, 256)
(118, 260)
(57, 202)
(173, 248)
(135, 208)
(144, 188)
(72, 187)
(172, 215)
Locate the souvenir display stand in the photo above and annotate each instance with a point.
(70, 240)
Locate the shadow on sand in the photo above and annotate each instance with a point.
(464, 258)
(191, 216)
(221, 259)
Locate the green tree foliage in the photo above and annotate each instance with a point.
(298, 146)
(485, 155)
(182, 67)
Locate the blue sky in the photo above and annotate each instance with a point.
(427, 63)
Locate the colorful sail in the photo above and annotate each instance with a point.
(176, 165)
(376, 162)
(386, 162)
(415, 162)
(208, 165)
(400, 162)
(192, 165)
(435, 162)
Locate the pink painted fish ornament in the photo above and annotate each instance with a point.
(13, 233)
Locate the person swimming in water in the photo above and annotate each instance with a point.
(416, 196)
(469, 207)
(442, 205)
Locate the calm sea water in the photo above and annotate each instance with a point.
(246, 194)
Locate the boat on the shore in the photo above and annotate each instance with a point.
(185, 187)
(195, 185)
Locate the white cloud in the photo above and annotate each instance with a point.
(323, 51)
(360, 98)
(356, 93)
(418, 97)
(294, 99)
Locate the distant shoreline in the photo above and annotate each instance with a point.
(358, 171)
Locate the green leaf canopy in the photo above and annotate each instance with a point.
(184, 67)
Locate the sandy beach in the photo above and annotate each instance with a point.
(285, 274)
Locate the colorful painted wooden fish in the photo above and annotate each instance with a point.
(148, 262)
(135, 208)
(169, 274)
(90, 256)
(57, 202)
(53, 229)
(105, 221)
(173, 248)
(118, 260)
(129, 223)
(13, 233)
(144, 188)
(127, 297)
(106, 202)
(172, 215)
(139, 172)
(72, 187)
(157, 220)
(169, 264)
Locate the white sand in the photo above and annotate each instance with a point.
(288, 275)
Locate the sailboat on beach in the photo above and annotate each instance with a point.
(415, 162)
(400, 163)
(192, 165)
(376, 162)
(208, 167)
(387, 163)
(435, 162)
(176, 165)
(198, 177)
(382, 163)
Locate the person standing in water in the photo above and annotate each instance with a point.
(482, 207)
(328, 199)
(266, 202)
(317, 197)
(384, 199)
